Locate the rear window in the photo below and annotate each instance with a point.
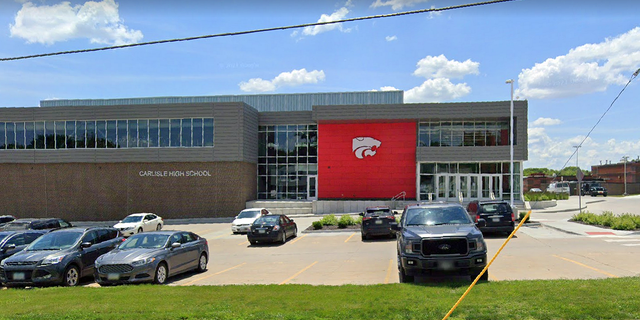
(495, 208)
(378, 212)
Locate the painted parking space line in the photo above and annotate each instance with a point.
(211, 275)
(298, 239)
(298, 273)
(389, 270)
(586, 266)
(351, 236)
(246, 242)
(491, 278)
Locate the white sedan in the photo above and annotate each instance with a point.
(242, 222)
(139, 222)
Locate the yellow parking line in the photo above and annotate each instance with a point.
(492, 278)
(211, 275)
(386, 279)
(298, 273)
(243, 243)
(586, 266)
(297, 239)
(220, 236)
(351, 236)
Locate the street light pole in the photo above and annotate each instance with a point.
(511, 144)
(579, 186)
(625, 158)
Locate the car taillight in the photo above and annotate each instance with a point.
(513, 217)
(391, 218)
(477, 217)
(276, 228)
(365, 218)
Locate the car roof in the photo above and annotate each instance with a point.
(378, 207)
(434, 205)
(493, 202)
(140, 214)
(165, 232)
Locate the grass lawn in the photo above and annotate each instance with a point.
(543, 299)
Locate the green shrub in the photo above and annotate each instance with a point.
(358, 220)
(346, 220)
(342, 224)
(623, 223)
(522, 215)
(317, 225)
(545, 196)
(329, 220)
(606, 219)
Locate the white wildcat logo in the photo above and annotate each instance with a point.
(365, 146)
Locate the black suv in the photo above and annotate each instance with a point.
(498, 215)
(36, 224)
(377, 221)
(59, 257)
(439, 238)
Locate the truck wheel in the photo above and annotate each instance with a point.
(475, 273)
(404, 277)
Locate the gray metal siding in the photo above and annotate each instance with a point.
(283, 118)
(250, 135)
(262, 102)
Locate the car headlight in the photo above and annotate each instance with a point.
(480, 245)
(128, 228)
(142, 262)
(51, 260)
(408, 246)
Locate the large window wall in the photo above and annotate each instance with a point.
(287, 156)
(99, 134)
(464, 134)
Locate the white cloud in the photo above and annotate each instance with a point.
(396, 4)
(293, 78)
(546, 122)
(586, 69)
(386, 88)
(441, 67)
(434, 14)
(436, 90)
(391, 38)
(337, 15)
(97, 21)
(548, 152)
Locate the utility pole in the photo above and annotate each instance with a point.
(625, 158)
(579, 176)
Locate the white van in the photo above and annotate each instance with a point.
(558, 187)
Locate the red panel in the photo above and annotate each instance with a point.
(387, 165)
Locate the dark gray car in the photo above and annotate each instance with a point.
(60, 257)
(14, 241)
(153, 257)
(439, 238)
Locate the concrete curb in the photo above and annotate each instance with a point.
(561, 230)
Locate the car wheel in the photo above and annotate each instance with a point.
(253, 241)
(284, 237)
(158, 227)
(139, 230)
(71, 276)
(295, 232)
(404, 277)
(161, 274)
(202, 262)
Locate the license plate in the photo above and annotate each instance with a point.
(495, 219)
(445, 265)
(378, 221)
(261, 231)
(18, 276)
(113, 276)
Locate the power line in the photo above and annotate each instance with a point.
(633, 76)
(256, 30)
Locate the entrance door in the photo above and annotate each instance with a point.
(490, 185)
(312, 187)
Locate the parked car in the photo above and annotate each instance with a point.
(14, 241)
(153, 257)
(272, 228)
(242, 222)
(535, 190)
(6, 219)
(558, 187)
(60, 257)
(439, 238)
(498, 215)
(37, 224)
(598, 191)
(377, 221)
(139, 222)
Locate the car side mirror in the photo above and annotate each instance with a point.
(176, 245)
(481, 223)
(361, 214)
(85, 245)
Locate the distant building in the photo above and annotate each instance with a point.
(613, 176)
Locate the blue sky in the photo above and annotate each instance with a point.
(570, 59)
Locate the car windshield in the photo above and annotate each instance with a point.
(55, 241)
(14, 226)
(3, 235)
(248, 214)
(132, 219)
(377, 212)
(269, 220)
(145, 240)
(437, 216)
(495, 208)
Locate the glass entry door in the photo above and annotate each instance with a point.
(312, 187)
(449, 187)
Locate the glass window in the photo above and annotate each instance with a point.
(480, 134)
(153, 133)
(80, 134)
(469, 168)
(61, 137)
(457, 134)
(143, 133)
(164, 133)
(175, 132)
(208, 132)
(427, 168)
(11, 135)
(50, 134)
(30, 139)
(101, 134)
(122, 134)
(469, 132)
(112, 133)
(445, 134)
(71, 134)
(197, 132)
(132, 134)
(91, 134)
(186, 133)
(20, 135)
(3, 139)
(40, 138)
